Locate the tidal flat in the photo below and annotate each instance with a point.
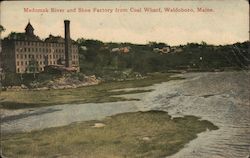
(91, 94)
(133, 134)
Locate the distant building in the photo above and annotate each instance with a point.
(115, 49)
(125, 49)
(84, 48)
(176, 49)
(121, 50)
(27, 53)
(163, 50)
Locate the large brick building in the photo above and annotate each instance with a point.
(27, 53)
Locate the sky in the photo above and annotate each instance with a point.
(226, 24)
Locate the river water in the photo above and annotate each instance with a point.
(222, 98)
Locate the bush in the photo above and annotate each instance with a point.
(12, 79)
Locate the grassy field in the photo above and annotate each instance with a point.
(132, 135)
(95, 94)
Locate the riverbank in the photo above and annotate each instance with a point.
(100, 93)
(46, 81)
(134, 134)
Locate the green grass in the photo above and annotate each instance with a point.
(124, 135)
(95, 94)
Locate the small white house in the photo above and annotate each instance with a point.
(84, 48)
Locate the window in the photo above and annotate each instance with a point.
(17, 63)
(31, 56)
(25, 56)
(28, 49)
(18, 70)
(21, 56)
(17, 56)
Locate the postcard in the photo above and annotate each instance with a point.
(125, 79)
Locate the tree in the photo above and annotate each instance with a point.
(33, 67)
(203, 43)
(157, 45)
(2, 29)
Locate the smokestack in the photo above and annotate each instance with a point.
(68, 56)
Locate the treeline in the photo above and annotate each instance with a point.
(100, 58)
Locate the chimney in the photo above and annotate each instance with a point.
(68, 56)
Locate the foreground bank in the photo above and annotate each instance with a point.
(139, 134)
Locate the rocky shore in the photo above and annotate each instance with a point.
(63, 82)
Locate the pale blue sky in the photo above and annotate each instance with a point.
(227, 24)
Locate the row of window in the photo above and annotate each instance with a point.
(22, 63)
(28, 70)
(29, 43)
(38, 69)
(40, 56)
(47, 50)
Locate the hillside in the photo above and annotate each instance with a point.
(101, 58)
